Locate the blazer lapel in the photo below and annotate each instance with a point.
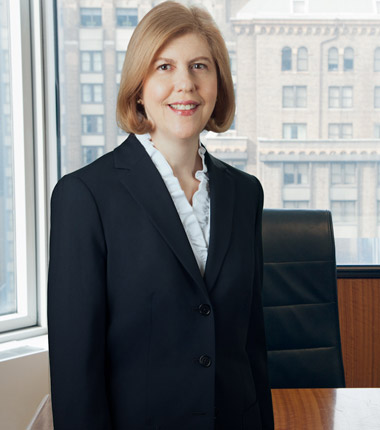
(222, 196)
(141, 178)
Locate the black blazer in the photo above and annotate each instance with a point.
(139, 340)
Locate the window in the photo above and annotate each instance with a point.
(294, 97)
(233, 62)
(294, 116)
(296, 173)
(377, 97)
(348, 59)
(294, 131)
(5, 93)
(126, 17)
(120, 55)
(91, 62)
(91, 153)
(343, 173)
(5, 60)
(343, 211)
(376, 61)
(286, 58)
(340, 97)
(18, 188)
(299, 6)
(90, 17)
(376, 133)
(302, 59)
(92, 93)
(333, 59)
(340, 131)
(296, 204)
(378, 6)
(92, 124)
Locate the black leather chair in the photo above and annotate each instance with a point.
(300, 299)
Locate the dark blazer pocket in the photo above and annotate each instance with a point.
(251, 418)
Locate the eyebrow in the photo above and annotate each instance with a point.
(170, 60)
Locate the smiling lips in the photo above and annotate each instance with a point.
(184, 108)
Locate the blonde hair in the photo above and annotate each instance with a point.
(163, 23)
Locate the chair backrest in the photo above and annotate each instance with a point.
(300, 299)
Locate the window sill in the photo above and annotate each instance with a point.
(21, 348)
(358, 272)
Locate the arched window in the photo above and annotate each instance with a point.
(286, 58)
(348, 59)
(377, 60)
(302, 59)
(333, 59)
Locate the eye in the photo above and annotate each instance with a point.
(199, 66)
(164, 67)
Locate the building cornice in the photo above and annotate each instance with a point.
(311, 27)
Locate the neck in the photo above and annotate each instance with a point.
(182, 155)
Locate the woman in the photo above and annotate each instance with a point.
(149, 327)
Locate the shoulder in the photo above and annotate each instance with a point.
(242, 179)
(98, 175)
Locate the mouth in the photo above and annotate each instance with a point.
(184, 109)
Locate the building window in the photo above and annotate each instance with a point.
(376, 133)
(233, 62)
(378, 6)
(296, 204)
(340, 131)
(302, 59)
(294, 97)
(6, 94)
(120, 55)
(343, 173)
(5, 61)
(91, 153)
(340, 97)
(7, 125)
(91, 61)
(299, 6)
(90, 16)
(333, 59)
(348, 59)
(92, 93)
(126, 17)
(343, 211)
(377, 97)
(296, 173)
(293, 131)
(286, 58)
(92, 124)
(376, 64)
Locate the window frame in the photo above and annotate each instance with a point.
(286, 59)
(332, 56)
(295, 96)
(128, 16)
(93, 24)
(31, 203)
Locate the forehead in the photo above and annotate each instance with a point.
(185, 46)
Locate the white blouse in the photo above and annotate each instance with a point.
(196, 218)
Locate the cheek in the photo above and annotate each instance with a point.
(155, 92)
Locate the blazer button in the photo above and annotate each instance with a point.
(204, 309)
(205, 361)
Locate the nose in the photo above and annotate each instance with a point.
(184, 81)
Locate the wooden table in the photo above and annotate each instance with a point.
(327, 409)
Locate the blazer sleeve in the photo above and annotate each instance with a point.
(256, 344)
(77, 309)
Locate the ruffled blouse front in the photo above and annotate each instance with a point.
(195, 218)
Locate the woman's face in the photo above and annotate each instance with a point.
(180, 91)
